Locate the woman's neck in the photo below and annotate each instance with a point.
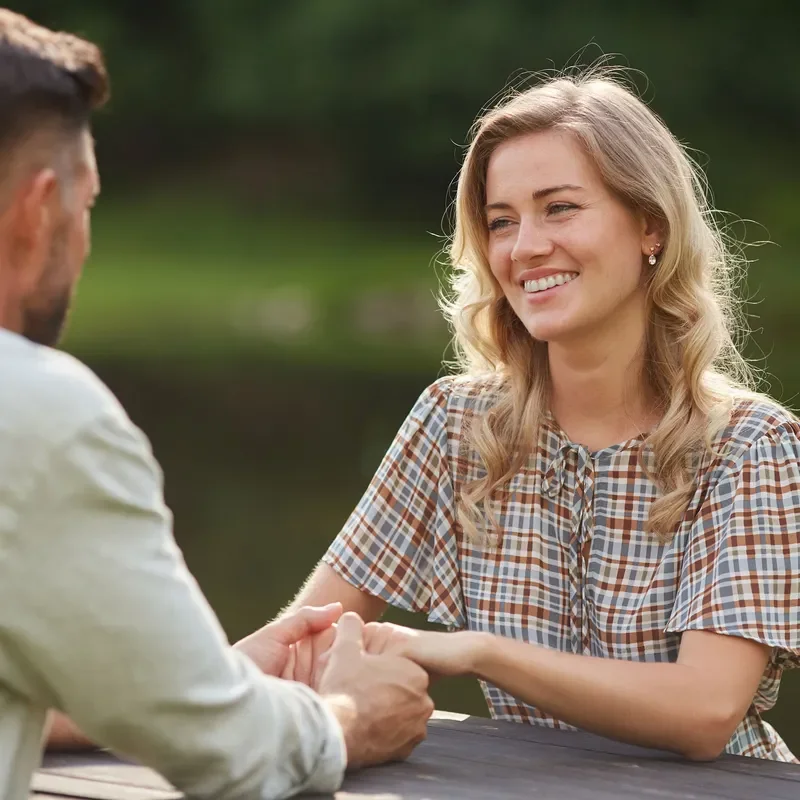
(599, 392)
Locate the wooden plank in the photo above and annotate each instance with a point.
(42, 796)
(579, 740)
(460, 764)
(90, 788)
(100, 776)
(478, 758)
(472, 759)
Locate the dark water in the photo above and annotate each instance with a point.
(263, 465)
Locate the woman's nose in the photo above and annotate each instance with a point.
(532, 242)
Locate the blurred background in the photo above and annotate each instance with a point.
(261, 294)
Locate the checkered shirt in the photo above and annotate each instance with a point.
(574, 569)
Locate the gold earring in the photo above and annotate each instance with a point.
(652, 260)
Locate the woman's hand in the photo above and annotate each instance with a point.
(308, 657)
(441, 654)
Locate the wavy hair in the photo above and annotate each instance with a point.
(693, 364)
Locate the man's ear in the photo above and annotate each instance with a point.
(33, 214)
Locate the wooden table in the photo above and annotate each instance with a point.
(467, 758)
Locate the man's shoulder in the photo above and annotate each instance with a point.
(47, 393)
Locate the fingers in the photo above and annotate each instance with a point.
(349, 635)
(321, 645)
(304, 622)
(325, 616)
(386, 637)
(322, 663)
(375, 637)
(406, 751)
(418, 677)
(430, 707)
(289, 670)
(422, 732)
(304, 665)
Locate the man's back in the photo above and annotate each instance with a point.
(45, 398)
(91, 582)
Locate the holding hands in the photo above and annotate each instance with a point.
(379, 697)
(273, 647)
(297, 647)
(440, 654)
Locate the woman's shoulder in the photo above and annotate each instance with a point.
(464, 394)
(754, 418)
(446, 407)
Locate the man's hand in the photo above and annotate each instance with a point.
(309, 656)
(381, 701)
(63, 734)
(271, 647)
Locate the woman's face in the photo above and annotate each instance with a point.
(568, 255)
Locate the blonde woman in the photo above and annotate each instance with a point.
(597, 505)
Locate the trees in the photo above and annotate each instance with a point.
(387, 90)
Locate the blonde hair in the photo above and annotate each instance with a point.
(691, 357)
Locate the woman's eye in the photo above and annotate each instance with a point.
(560, 208)
(499, 224)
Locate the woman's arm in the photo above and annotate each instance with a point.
(691, 707)
(324, 582)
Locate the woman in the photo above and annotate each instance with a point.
(597, 502)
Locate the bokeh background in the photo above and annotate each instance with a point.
(261, 294)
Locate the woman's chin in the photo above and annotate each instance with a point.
(550, 333)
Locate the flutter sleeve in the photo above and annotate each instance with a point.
(741, 569)
(400, 542)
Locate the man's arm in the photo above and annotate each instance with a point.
(270, 648)
(109, 627)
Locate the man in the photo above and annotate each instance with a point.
(99, 617)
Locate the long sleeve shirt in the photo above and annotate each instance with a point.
(100, 618)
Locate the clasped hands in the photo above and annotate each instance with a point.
(297, 646)
(371, 677)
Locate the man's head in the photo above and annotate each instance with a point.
(49, 85)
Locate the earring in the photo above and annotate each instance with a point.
(652, 260)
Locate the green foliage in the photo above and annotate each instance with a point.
(385, 89)
(180, 281)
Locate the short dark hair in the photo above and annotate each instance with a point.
(46, 78)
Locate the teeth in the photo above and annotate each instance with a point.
(549, 282)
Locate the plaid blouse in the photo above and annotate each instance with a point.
(573, 569)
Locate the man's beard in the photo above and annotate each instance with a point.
(45, 317)
(44, 323)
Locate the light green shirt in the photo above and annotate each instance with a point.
(100, 618)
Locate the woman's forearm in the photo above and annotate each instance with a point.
(662, 705)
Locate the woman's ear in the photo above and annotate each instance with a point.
(652, 238)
